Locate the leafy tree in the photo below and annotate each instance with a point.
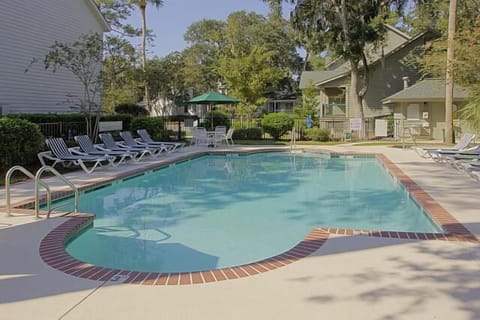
(220, 118)
(116, 12)
(84, 59)
(464, 67)
(315, 63)
(142, 5)
(154, 125)
(207, 44)
(166, 80)
(248, 76)
(467, 70)
(433, 15)
(277, 124)
(210, 40)
(245, 31)
(310, 101)
(121, 80)
(345, 29)
(452, 15)
(132, 109)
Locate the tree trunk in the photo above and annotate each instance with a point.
(452, 12)
(355, 96)
(143, 6)
(305, 63)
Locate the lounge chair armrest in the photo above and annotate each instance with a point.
(76, 150)
(101, 147)
(46, 155)
(140, 141)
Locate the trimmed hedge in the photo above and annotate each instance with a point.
(131, 109)
(154, 126)
(20, 141)
(277, 124)
(318, 134)
(220, 118)
(247, 134)
(49, 117)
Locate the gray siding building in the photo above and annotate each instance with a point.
(28, 29)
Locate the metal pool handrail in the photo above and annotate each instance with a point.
(38, 182)
(8, 176)
(292, 139)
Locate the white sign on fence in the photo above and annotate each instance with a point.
(356, 124)
(110, 126)
(381, 128)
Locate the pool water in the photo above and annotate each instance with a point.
(219, 211)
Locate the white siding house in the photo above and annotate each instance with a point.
(27, 29)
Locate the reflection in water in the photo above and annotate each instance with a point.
(219, 211)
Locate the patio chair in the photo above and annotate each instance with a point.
(129, 141)
(59, 153)
(432, 153)
(86, 146)
(147, 139)
(110, 144)
(219, 135)
(229, 136)
(201, 137)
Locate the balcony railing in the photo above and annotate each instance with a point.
(334, 110)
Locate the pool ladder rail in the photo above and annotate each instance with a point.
(37, 184)
(292, 139)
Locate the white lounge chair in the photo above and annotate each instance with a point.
(60, 153)
(147, 139)
(129, 141)
(87, 147)
(460, 159)
(432, 153)
(111, 144)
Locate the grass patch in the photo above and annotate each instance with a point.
(284, 142)
(261, 142)
(399, 144)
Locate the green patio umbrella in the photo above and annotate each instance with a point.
(212, 98)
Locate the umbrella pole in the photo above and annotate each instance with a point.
(211, 117)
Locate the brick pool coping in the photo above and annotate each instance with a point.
(52, 247)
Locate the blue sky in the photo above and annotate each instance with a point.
(171, 21)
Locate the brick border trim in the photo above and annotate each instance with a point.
(52, 252)
(52, 247)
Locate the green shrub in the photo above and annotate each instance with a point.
(49, 117)
(317, 134)
(154, 126)
(247, 134)
(20, 141)
(220, 118)
(131, 109)
(277, 124)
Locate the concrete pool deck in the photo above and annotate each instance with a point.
(349, 277)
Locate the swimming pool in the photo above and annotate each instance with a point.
(226, 210)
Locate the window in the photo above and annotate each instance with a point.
(413, 112)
